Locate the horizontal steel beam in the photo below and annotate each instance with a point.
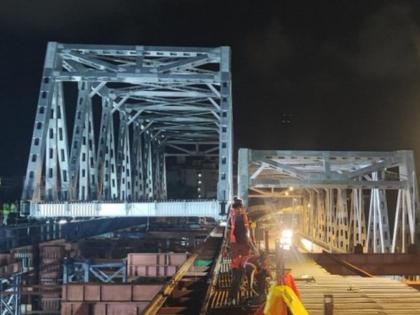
(134, 50)
(284, 183)
(348, 155)
(120, 209)
(375, 264)
(135, 78)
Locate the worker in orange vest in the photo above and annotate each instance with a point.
(236, 270)
(256, 269)
(239, 229)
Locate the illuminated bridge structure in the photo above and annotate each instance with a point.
(342, 199)
(132, 107)
(107, 121)
(108, 117)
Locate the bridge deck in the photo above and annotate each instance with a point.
(352, 295)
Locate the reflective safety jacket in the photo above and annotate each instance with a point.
(6, 208)
(236, 262)
(290, 282)
(232, 221)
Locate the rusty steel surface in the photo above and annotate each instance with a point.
(218, 302)
(5, 259)
(10, 268)
(154, 264)
(51, 255)
(98, 299)
(127, 292)
(101, 308)
(374, 264)
(9, 264)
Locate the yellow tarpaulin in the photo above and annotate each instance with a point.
(279, 294)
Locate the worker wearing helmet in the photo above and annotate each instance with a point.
(239, 229)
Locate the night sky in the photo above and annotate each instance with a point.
(346, 74)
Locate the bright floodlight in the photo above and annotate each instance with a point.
(286, 239)
(287, 233)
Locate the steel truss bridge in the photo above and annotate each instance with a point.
(342, 198)
(131, 107)
(109, 117)
(134, 106)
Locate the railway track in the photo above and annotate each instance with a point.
(186, 292)
(352, 295)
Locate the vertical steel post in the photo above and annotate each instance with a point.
(267, 240)
(243, 175)
(32, 185)
(224, 192)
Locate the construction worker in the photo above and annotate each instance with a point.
(239, 245)
(239, 229)
(236, 271)
(13, 212)
(6, 211)
(256, 269)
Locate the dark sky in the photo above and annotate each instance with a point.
(347, 72)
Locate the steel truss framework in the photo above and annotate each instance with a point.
(87, 271)
(135, 106)
(342, 197)
(10, 295)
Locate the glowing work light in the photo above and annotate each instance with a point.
(286, 239)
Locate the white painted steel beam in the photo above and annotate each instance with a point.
(113, 209)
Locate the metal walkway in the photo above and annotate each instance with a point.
(219, 299)
(185, 293)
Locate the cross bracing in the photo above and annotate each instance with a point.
(343, 199)
(154, 102)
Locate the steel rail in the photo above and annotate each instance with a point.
(159, 300)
